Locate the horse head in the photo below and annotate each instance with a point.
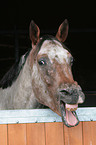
(52, 79)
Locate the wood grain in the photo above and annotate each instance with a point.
(73, 135)
(48, 134)
(89, 133)
(3, 134)
(35, 134)
(54, 134)
(17, 134)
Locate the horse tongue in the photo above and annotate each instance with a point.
(71, 119)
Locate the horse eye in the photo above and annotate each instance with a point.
(42, 62)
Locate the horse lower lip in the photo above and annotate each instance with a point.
(63, 113)
(67, 114)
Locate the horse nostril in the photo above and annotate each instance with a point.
(64, 92)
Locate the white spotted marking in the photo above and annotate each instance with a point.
(55, 50)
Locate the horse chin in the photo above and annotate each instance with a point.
(69, 116)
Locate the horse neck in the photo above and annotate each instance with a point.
(20, 94)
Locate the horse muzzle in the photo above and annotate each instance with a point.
(69, 98)
(72, 95)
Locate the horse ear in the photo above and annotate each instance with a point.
(63, 31)
(34, 32)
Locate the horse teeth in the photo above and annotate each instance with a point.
(75, 109)
(71, 109)
(68, 109)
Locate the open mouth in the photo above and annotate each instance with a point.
(69, 116)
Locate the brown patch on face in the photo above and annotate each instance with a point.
(33, 55)
(44, 87)
(46, 96)
(53, 76)
(47, 71)
(64, 73)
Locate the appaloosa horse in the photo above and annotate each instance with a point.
(43, 77)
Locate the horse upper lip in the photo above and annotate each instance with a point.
(72, 95)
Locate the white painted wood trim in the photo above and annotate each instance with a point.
(42, 115)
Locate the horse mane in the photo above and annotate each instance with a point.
(13, 72)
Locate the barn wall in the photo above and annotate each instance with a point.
(48, 134)
(20, 127)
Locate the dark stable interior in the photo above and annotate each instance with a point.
(81, 41)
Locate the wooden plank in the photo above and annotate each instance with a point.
(17, 134)
(3, 134)
(73, 135)
(54, 133)
(35, 134)
(89, 133)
